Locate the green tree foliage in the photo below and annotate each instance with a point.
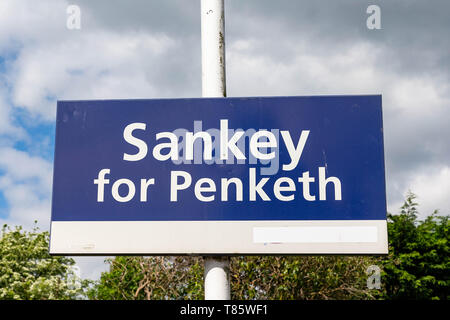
(263, 277)
(418, 264)
(304, 277)
(158, 278)
(28, 272)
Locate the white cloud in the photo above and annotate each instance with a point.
(95, 65)
(91, 267)
(26, 186)
(432, 188)
(53, 62)
(7, 127)
(25, 22)
(21, 166)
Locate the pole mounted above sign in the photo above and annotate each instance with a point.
(295, 175)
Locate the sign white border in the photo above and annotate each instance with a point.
(219, 237)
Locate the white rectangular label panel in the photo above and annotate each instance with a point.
(219, 237)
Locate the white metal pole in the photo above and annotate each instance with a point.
(217, 278)
(213, 48)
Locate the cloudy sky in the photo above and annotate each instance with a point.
(151, 49)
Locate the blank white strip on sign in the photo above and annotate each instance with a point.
(314, 234)
(219, 237)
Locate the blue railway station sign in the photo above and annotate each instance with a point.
(262, 175)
